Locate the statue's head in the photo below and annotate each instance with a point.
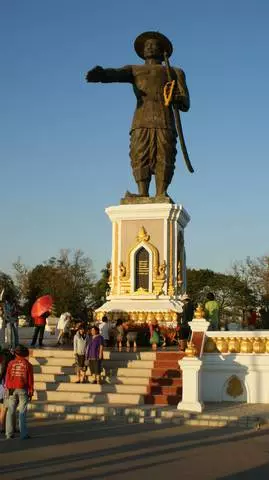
(152, 45)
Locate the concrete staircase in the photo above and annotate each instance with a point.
(129, 379)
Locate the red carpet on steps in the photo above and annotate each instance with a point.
(165, 386)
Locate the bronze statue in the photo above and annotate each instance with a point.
(160, 91)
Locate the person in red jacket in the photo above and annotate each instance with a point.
(19, 384)
(40, 323)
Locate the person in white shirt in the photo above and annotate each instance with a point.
(104, 330)
(62, 326)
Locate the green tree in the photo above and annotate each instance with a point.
(232, 292)
(69, 278)
(255, 272)
(8, 287)
(101, 288)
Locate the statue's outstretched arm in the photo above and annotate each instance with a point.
(108, 75)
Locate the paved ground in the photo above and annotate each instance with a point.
(63, 450)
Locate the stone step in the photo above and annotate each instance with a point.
(58, 411)
(168, 391)
(91, 388)
(49, 377)
(172, 364)
(166, 382)
(69, 362)
(159, 399)
(169, 356)
(87, 397)
(166, 372)
(108, 354)
(121, 371)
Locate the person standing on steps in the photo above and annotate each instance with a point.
(94, 354)
(185, 318)
(212, 311)
(62, 327)
(19, 383)
(154, 335)
(80, 345)
(40, 323)
(104, 330)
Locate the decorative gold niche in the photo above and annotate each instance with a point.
(158, 270)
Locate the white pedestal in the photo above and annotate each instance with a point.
(191, 395)
(199, 325)
(157, 230)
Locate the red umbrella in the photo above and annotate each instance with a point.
(42, 305)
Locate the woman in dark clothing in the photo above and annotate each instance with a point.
(94, 354)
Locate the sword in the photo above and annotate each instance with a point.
(168, 98)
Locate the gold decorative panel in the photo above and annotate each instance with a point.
(158, 270)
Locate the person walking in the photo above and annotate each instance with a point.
(119, 334)
(154, 334)
(94, 354)
(212, 311)
(40, 323)
(11, 323)
(131, 337)
(62, 327)
(19, 383)
(80, 343)
(6, 356)
(104, 330)
(185, 318)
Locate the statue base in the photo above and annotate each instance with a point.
(148, 266)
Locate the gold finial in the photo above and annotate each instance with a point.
(191, 350)
(142, 235)
(199, 312)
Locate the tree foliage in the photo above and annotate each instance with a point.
(255, 272)
(101, 288)
(232, 292)
(10, 290)
(68, 278)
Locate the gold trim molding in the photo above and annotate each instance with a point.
(139, 316)
(235, 344)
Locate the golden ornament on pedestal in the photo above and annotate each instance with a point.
(191, 350)
(167, 316)
(199, 312)
(246, 346)
(222, 345)
(210, 346)
(234, 345)
(267, 345)
(141, 316)
(133, 316)
(150, 317)
(258, 345)
(159, 316)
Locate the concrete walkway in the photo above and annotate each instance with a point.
(88, 451)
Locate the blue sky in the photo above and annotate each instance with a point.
(64, 143)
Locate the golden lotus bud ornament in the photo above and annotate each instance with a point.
(199, 312)
(191, 350)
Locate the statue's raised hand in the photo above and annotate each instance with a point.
(95, 75)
